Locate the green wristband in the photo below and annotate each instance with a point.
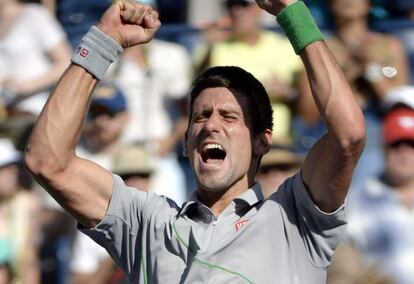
(299, 26)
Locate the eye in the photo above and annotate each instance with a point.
(198, 118)
(230, 117)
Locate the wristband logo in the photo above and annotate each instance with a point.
(82, 51)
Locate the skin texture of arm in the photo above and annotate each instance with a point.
(80, 186)
(328, 168)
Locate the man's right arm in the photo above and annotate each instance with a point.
(81, 187)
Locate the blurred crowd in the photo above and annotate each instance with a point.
(138, 116)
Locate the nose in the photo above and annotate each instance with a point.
(213, 123)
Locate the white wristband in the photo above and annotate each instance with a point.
(96, 52)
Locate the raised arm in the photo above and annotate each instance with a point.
(80, 186)
(328, 168)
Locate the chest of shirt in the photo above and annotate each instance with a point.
(231, 248)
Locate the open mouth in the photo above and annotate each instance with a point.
(213, 153)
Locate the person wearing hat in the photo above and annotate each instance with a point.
(135, 174)
(275, 167)
(19, 227)
(381, 219)
(105, 123)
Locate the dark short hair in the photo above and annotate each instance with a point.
(243, 85)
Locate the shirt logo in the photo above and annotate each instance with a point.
(240, 224)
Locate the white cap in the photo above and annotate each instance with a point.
(403, 95)
(8, 153)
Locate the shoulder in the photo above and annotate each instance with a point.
(382, 39)
(146, 203)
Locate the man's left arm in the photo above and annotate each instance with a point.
(328, 168)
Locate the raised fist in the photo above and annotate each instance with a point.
(274, 6)
(129, 22)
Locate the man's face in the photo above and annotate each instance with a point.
(218, 140)
(400, 161)
(104, 127)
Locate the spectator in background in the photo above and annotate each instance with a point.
(104, 126)
(134, 165)
(18, 227)
(373, 63)
(249, 47)
(276, 166)
(381, 219)
(90, 263)
(401, 24)
(33, 55)
(348, 266)
(155, 79)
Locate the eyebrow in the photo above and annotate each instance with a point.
(221, 109)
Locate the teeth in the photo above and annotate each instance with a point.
(213, 146)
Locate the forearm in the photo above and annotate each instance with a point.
(332, 94)
(305, 105)
(50, 155)
(328, 168)
(59, 126)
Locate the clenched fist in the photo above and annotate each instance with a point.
(274, 6)
(129, 22)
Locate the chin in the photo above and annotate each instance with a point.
(213, 184)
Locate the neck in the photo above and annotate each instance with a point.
(250, 38)
(352, 30)
(217, 201)
(96, 147)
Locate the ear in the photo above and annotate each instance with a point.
(185, 151)
(263, 143)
